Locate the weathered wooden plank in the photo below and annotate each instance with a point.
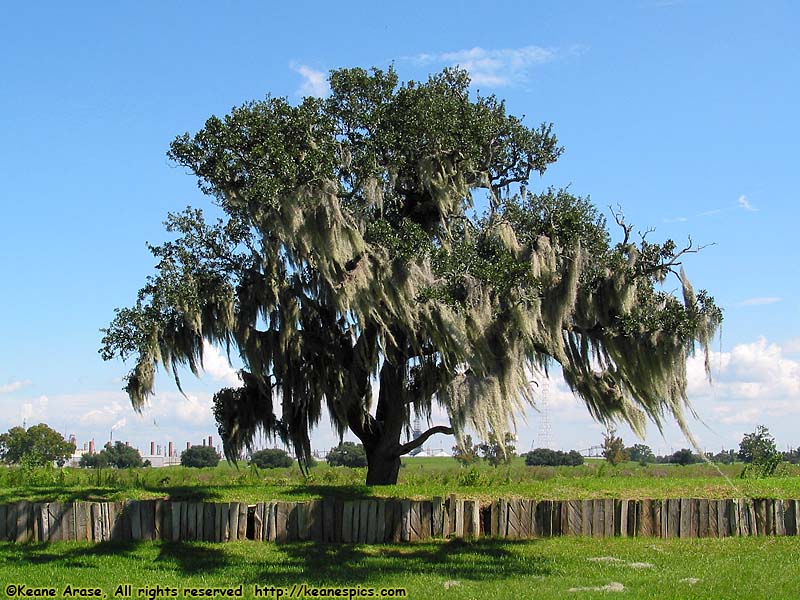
(526, 522)
(397, 520)
(220, 521)
(356, 521)
(760, 512)
(68, 521)
(469, 521)
(380, 520)
(608, 518)
(685, 518)
(587, 510)
(363, 520)
(674, 517)
(11, 522)
(574, 518)
(176, 508)
(779, 517)
(241, 523)
(598, 528)
(200, 521)
(166, 520)
(304, 521)
(233, 521)
(513, 525)
(503, 519)
(282, 512)
(752, 519)
(789, 517)
(133, 511)
(328, 520)
(258, 522)
(459, 517)
(347, 521)
(425, 520)
(54, 521)
(209, 528)
(621, 518)
(81, 520)
(451, 515)
(271, 515)
(372, 522)
(437, 517)
(405, 520)
(24, 518)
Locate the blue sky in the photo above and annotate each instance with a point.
(681, 112)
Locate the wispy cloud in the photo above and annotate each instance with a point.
(759, 301)
(493, 67)
(744, 203)
(13, 386)
(315, 83)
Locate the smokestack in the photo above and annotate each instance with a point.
(91, 447)
(158, 450)
(127, 444)
(210, 445)
(204, 441)
(170, 450)
(188, 445)
(152, 448)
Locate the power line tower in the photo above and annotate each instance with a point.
(416, 433)
(545, 431)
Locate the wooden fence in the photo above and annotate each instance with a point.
(390, 520)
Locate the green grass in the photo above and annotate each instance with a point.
(729, 568)
(419, 477)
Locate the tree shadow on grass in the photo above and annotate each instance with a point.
(341, 564)
(187, 558)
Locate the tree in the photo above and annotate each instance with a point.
(347, 454)
(93, 461)
(552, 458)
(613, 448)
(271, 459)
(385, 236)
(684, 457)
(199, 456)
(121, 456)
(466, 452)
(758, 450)
(39, 445)
(757, 445)
(641, 454)
(497, 453)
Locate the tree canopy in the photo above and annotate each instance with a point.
(39, 445)
(199, 456)
(381, 252)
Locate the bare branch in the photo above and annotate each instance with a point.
(406, 448)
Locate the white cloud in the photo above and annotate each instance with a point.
(493, 68)
(103, 415)
(751, 382)
(315, 83)
(13, 386)
(216, 365)
(760, 301)
(792, 346)
(744, 203)
(35, 411)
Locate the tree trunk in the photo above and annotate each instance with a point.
(382, 469)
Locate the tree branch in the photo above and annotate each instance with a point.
(406, 448)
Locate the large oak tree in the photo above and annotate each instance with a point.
(381, 252)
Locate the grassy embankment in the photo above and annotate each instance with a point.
(420, 477)
(731, 568)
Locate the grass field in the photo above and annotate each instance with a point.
(420, 477)
(730, 568)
